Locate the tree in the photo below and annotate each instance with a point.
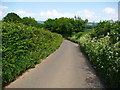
(50, 24)
(31, 22)
(79, 24)
(12, 17)
(65, 26)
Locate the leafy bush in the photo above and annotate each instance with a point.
(104, 57)
(75, 36)
(103, 50)
(24, 46)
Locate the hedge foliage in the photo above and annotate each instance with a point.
(103, 49)
(24, 46)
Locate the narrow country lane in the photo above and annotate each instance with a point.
(65, 68)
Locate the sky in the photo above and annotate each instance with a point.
(42, 10)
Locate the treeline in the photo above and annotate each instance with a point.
(66, 26)
(24, 45)
(63, 26)
(102, 46)
(13, 17)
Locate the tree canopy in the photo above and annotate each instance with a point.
(65, 25)
(12, 17)
(31, 22)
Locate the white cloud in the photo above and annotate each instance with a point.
(55, 14)
(110, 14)
(3, 7)
(109, 11)
(23, 13)
(1, 14)
(86, 14)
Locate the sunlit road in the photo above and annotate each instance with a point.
(67, 67)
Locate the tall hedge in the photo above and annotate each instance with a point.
(23, 47)
(103, 49)
(102, 45)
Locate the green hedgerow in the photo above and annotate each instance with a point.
(24, 46)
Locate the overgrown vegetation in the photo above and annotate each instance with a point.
(23, 46)
(103, 49)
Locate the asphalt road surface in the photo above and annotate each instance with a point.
(67, 67)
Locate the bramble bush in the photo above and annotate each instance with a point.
(103, 49)
(24, 46)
